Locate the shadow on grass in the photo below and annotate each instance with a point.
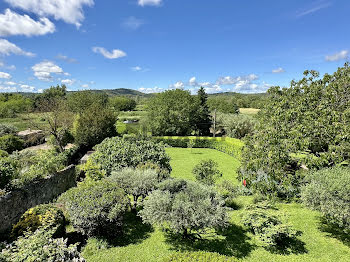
(76, 237)
(335, 231)
(134, 231)
(232, 241)
(290, 246)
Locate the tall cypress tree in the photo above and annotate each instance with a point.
(203, 119)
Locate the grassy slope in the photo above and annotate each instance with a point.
(24, 121)
(249, 111)
(153, 246)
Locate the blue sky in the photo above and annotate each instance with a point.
(153, 45)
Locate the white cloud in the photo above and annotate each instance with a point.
(193, 82)
(177, 85)
(11, 67)
(338, 56)
(44, 69)
(10, 83)
(70, 11)
(67, 59)
(150, 2)
(8, 48)
(278, 70)
(85, 86)
(7, 89)
(229, 80)
(5, 75)
(27, 88)
(12, 23)
(116, 53)
(132, 23)
(149, 90)
(136, 68)
(68, 81)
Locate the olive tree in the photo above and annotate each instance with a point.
(186, 207)
(136, 182)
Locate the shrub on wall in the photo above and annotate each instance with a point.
(328, 191)
(10, 143)
(8, 171)
(7, 130)
(116, 153)
(47, 216)
(95, 208)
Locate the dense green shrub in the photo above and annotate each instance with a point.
(116, 153)
(304, 125)
(268, 227)
(172, 112)
(328, 191)
(95, 207)
(10, 143)
(94, 125)
(8, 171)
(7, 130)
(3, 153)
(78, 102)
(185, 207)
(119, 103)
(227, 145)
(136, 182)
(206, 171)
(47, 216)
(237, 126)
(223, 105)
(40, 246)
(12, 104)
(198, 256)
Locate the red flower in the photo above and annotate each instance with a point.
(244, 182)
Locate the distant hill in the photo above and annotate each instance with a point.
(121, 92)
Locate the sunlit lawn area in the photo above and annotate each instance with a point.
(183, 161)
(249, 111)
(143, 243)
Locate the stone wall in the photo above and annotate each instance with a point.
(16, 202)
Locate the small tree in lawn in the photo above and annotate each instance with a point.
(207, 171)
(136, 182)
(186, 207)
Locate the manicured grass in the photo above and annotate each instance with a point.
(143, 243)
(25, 121)
(249, 111)
(183, 161)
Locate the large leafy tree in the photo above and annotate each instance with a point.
(306, 125)
(172, 113)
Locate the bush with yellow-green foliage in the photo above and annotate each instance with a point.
(47, 216)
(199, 256)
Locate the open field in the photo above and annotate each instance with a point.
(25, 121)
(144, 243)
(249, 111)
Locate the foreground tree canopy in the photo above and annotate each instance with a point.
(306, 125)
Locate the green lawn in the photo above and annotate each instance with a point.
(142, 243)
(183, 161)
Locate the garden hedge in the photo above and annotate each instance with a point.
(231, 146)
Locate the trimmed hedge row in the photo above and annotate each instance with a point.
(231, 146)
